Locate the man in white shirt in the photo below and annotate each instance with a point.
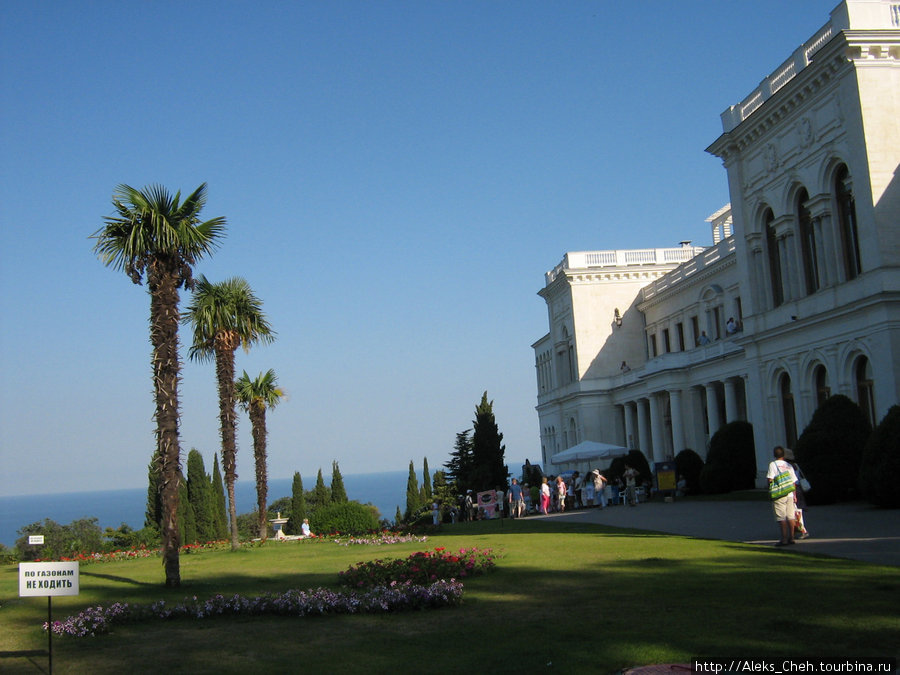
(783, 506)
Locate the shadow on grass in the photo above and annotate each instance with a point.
(610, 599)
(118, 579)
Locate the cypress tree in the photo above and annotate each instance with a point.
(153, 513)
(426, 483)
(200, 496)
(338, 493)
(320, 496)
(298, 505)
(488, 450)
(412, 494)
(459, 466)
(187, 524)
(221, 512)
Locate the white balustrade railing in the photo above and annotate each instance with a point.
(578, 260)
(856, 14)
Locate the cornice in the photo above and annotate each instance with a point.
(827, 67)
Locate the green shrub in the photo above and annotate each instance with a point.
(688, 464)
(731, 461)
(60, 541)
(830, 449)
(715, 478)
(879, 472)
(346, 518)
(125, 537)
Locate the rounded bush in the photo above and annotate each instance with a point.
(689, 464)
(715, 478)
(830, 449)
(345, 517)
(732, 454)
(879, 472)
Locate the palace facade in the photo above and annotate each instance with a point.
(797, 299)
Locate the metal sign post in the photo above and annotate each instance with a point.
(49, 578)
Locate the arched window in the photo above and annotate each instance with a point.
(865, 388)
(774, 259)
(846, 212)
(787, 407)
(573, 433)
(807, 234)
(823, 391)
(565, 353)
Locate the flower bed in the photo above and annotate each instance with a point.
(381, 539)
(394, 597)
(424, 580)
(420, 568)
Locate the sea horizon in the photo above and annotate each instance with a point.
(385, 490)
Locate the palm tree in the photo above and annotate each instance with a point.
(225, 316)
(255, 397)
(156, 235)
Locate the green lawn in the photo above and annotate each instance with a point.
(567, 597)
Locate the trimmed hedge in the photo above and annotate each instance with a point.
(688, 464)
(731, 462)
(346, 518)
(879, 472)
(829, 451)
(636, 460)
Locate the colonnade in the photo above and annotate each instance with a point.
(665, 422)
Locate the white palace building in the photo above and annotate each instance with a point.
(797, 299)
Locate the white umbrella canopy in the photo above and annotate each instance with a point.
(588, 451)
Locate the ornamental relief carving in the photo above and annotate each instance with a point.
(805, 132)
(770, 156)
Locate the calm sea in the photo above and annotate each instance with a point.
(385, 490)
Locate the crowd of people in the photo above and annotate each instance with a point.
(554, 494)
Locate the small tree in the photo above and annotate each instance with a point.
(338, 493)
(320, 495)
(298, 505)
(879, 473)
(153, 513)
(459, 466)
(426, 483)
(488, 450)
(201, 497)
(413, 500)
(187, 523)
(830, 449)
(221, 511)
(442, 492)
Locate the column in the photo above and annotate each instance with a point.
(630, 440)
(677, 423)
(794, 261)
(643, 426)
(823, 268)
(712, 408)
(731, 405)
(656, 430)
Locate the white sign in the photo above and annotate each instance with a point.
(35, 539)
(48, 578)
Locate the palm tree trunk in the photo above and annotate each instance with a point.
(163, 285)
(225, 346)
(258, 420)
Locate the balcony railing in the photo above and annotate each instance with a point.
(578, 260)
(698, 263)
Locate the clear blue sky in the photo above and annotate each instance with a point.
(397, 177)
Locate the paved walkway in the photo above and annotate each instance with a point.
(857, 531)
